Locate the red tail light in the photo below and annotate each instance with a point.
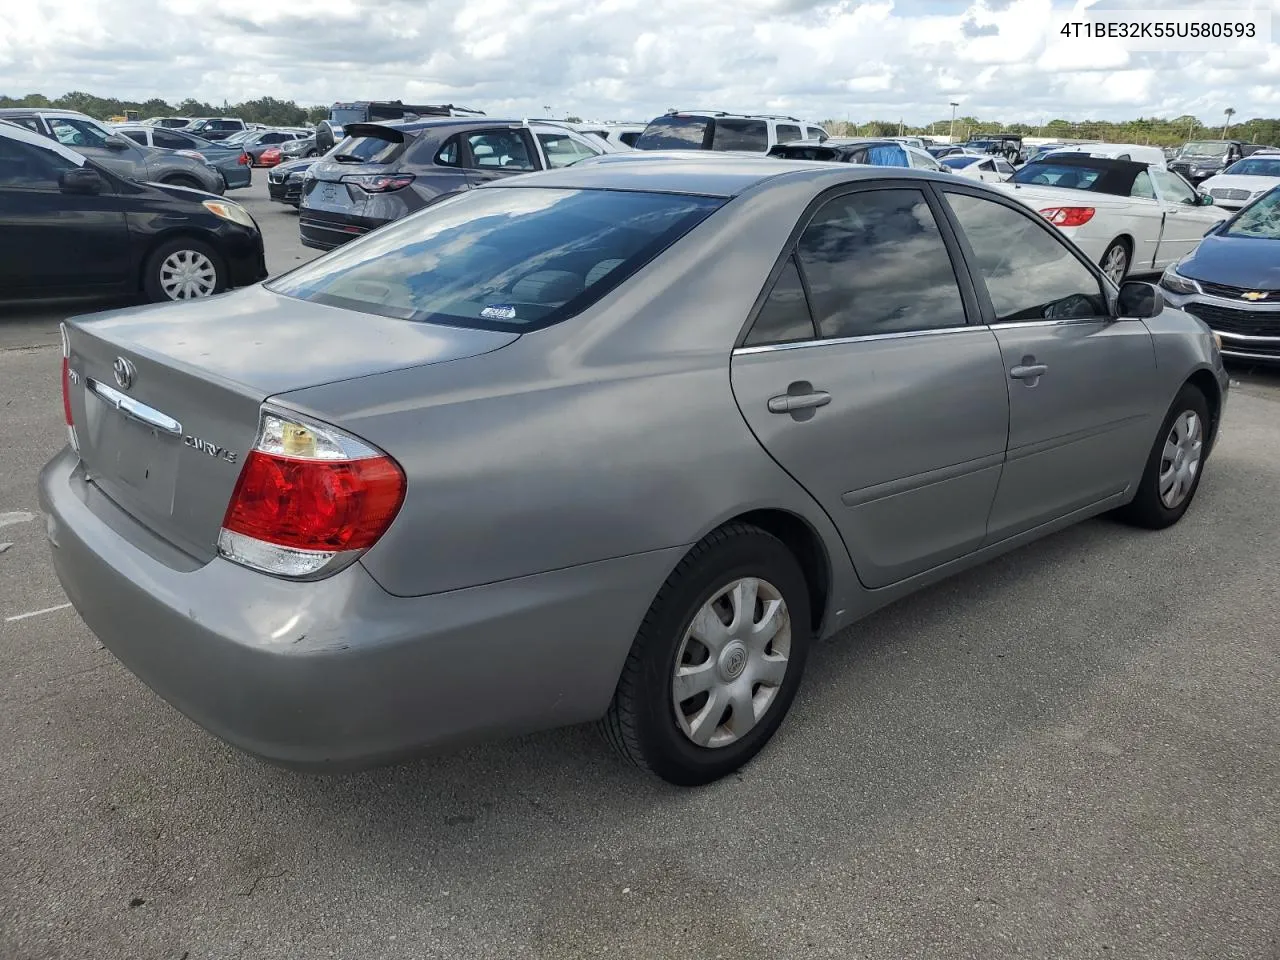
(245, 160)
(66, 388)
(1068, 216)
(379, 182)
(309, 500)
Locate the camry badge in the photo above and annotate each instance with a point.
(212, 449)
(124, 372)
(1254, 295)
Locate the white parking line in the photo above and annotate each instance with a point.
(35, 613)
(15, 516)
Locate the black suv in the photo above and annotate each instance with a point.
(383, 171)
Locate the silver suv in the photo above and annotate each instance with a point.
(718, 130)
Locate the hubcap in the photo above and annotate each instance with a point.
(187, 274)
(1115, 265)
(1180, 459)
(731, 662)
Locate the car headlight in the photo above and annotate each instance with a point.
(230, 211)
(1171, 279)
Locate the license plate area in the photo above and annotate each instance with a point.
(138, 458)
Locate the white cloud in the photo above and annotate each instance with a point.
(630, 59)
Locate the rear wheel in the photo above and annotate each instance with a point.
(183, 269)
(1174, 466)
(717, 660)
(1115, 261)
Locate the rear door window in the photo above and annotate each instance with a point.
(505, 150)
(875, 263)
(786, 132)
(732, 133)
(500, 258)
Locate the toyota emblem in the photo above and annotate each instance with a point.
(124, 372)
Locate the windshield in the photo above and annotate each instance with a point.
(501, 258)
(367, 150)
(1204, 148)
(1261, 220)
(673, 133)
(343, 116)
(957, 163)
(1046, 173)
(1255, 167)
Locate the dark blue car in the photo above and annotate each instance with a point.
(1231, 281)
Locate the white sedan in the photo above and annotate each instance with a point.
(989, 169)
(1244, 181)
(1125, 216)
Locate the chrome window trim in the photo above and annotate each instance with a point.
(865, 338)
(1016, 324)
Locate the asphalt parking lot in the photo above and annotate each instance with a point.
(1071, 752)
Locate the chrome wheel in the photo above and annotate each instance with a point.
(187, 275)
(731, 662)
(1115, 263)
(1180, 459)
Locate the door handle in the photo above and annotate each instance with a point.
(791, 402)
(1028, 371)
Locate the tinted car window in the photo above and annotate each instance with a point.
(785, 315)
(23, 166)
(958, 163)
(786, 132)
(74, 132)
(500, 149)
(794, 152)
(369, 149)
(735, 134)
(629, 137)
(875, 263)
(503, 259)
(448, 155)
(1046, 173)
(31, 123)
(1029, 273)
(673, 133)
(139, 137)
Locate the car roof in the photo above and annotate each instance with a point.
(42, 111)
(430, 123)
(710, 175)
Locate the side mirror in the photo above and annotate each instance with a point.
(1206, 200)
(117, 142)
(1138, 300)
(80, 180)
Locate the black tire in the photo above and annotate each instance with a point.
(152, 284)
(312, 153)
(181, 181)
(641, 723)
(1147, 509)
(1123, 247)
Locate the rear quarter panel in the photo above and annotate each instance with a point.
(611, 434)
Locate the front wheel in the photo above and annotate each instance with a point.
(1174, 466)
(183, 269)
(717, 660)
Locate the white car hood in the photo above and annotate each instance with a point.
(1239, 181)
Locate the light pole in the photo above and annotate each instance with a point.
(951, 137)
(1229, 112)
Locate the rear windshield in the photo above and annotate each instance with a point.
(501, 258)
(957, 163)
(673, 133)
(367, 150)
(1046, 173)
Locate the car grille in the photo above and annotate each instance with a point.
(1240, 293)
(1229, 320)
(1225, 193)
(1182, 168)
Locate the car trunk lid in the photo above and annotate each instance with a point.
(166, 400)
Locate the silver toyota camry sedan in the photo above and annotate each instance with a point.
(611, 443)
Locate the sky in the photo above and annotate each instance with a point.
(633, 59)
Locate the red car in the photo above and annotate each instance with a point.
(269, 157)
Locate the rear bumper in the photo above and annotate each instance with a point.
(339, 674)
(324, 231)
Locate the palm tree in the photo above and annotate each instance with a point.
(1230, 112)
